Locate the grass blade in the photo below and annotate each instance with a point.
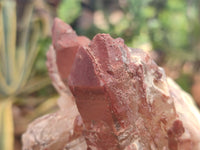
(9, 22)
(25, 31)
(6, 125)
(2, 43)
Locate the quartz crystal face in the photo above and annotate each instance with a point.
(118, 99)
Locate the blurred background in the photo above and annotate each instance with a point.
(168, 29)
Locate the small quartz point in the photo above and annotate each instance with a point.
(118, 99)
(60, 130)
(66, 42)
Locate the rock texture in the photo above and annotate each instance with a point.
(125, 100)
(66, 42)
(60, 130)
(55, 131)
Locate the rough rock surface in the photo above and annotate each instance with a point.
(60, 130)
(55, 132)
(125, 100)
(66, 42)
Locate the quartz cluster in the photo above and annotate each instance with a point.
(112, 97)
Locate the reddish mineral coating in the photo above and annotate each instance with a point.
(62, 129)
(66, 42)
(124, 99)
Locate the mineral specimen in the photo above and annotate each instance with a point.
(125, 100)
(60, 130)
(66, 43)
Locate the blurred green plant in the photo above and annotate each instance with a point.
(170, 26)
(173, 28)
(18, 50)
(69, 10)
(185, 81)
(17, 59)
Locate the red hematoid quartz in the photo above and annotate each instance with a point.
(125, 100)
